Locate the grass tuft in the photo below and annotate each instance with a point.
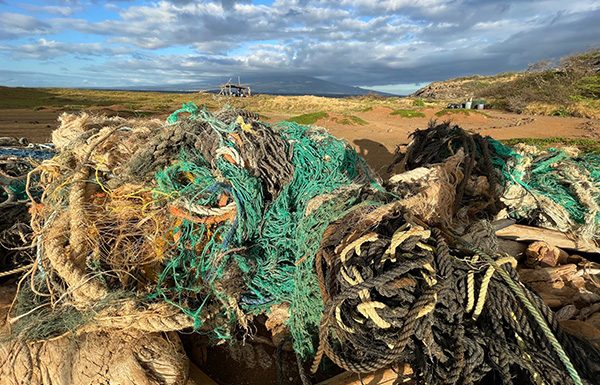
(308, 118)
(447, 111)
(584, 144)
(408, 113)
(351, 120)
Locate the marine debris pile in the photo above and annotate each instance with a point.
(209, 222)
(17, 159)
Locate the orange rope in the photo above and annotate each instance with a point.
(236, 138)
(183, 214)
(229, 158)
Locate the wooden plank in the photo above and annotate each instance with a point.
(381, 377)
(529, 234)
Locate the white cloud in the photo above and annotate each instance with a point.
(61, 10)
(44, 49)
(363, 42)
(15, 25)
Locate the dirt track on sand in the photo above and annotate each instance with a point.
(376, 140)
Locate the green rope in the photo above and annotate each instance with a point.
(189, 108)
(539, 318)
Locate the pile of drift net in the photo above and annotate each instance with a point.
(17, 159)
(205, 222)
(556, 188)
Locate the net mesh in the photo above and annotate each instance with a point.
(541, 185)
(267, 247)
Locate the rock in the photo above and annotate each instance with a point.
(8, 141)
(566, 312)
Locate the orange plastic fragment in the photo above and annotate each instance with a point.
(223, 199)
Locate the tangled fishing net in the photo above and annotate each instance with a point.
(17, 159)
(210, 220)
(556, 188)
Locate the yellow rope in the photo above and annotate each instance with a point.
(486, 281)
(471, 287)
(370, 237)
(428, 308)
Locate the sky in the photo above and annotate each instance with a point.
(387, 45)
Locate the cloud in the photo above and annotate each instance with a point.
(52, 9)
(553, 39)
(355, 42)
(45, 50)
(16, 25)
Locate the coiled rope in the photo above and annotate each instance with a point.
(519, 292)
(396, 292)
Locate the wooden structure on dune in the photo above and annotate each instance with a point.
(239, 90)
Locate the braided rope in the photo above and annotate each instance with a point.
(539, 318)
(393, 298)
(486, 282)
(15, 270)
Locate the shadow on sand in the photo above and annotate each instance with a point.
(376, 155)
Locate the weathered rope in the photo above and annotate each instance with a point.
(533, 310)
(394, 291)
(486, 281)
(17, 270)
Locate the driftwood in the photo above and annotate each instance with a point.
(545, 255)
(548, 275)
(381, 377)
(528, 234)
(584, 330)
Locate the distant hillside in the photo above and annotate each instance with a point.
(273, 84)
(572, 87)
(463, 87)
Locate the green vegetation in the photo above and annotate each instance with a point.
(308, 118)
(589, 86)
(584, 144)
(569, 88)
(418, 103)
(76, 99)
(351, 120)
(447, 111)
(562, 112)
(560, 90)
(408, 113)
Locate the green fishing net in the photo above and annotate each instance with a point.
(569, 179)
(271, 244)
